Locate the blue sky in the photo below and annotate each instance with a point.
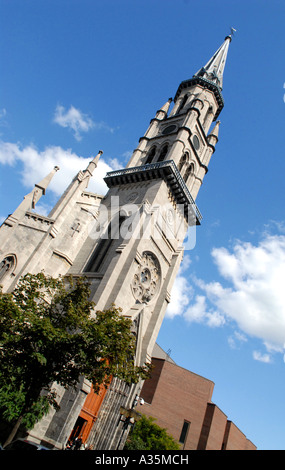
(80, 76)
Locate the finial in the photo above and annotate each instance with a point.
(93, 164)
(31, 199)
(96, 159)
(162, 112)
(215, 130)
(214, 133)
(233, 31)
(46, 181)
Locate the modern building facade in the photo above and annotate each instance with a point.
(128, 243)
(181, 402)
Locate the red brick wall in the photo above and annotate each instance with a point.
(150, 385)
(250, 445)
(234, 438)
(178, 395)
(173, 395)
(213, 429)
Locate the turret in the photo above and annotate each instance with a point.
(31, 199)
(93, 164)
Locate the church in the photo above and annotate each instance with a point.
(128, 243)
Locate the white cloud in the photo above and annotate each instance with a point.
(261, 357)
(186, 263)
(250, 294)
(77, 121)
(36, 164)
(181, 294)
(74, 119)
(236, 339)
(199, 312)
(184, 303)
(256, 298)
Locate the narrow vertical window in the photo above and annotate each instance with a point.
(104, 245)
(150, 155)
(208, 118)
(163, 153)
(188, 173)
(182, 104)
(184, 432)
(181, 162)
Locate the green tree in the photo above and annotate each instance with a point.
(147, 435)
(49, 333)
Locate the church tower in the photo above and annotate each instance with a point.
(129, 243)
(155, 197)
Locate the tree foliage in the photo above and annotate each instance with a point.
(147, 435)
(49, 333)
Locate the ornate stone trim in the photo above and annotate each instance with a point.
(147, 278)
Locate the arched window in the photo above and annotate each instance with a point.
(7, 265)
(189, 172)
(150, 155)
(182, 104)
(208, 118)
(163, 153)
(110, 236)
(182, 161)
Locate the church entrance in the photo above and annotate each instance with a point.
(87, 417)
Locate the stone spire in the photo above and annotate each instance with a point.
(214, 68)
(162, 112)
(213, 136)
(209, 77)
(40, 188)
(93, 164)
(31, 199)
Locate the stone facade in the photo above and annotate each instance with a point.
(128, 243)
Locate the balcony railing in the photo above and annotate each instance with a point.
(166, 170)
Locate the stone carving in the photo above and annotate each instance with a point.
(146, 280)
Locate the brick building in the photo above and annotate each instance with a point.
(181, 402)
